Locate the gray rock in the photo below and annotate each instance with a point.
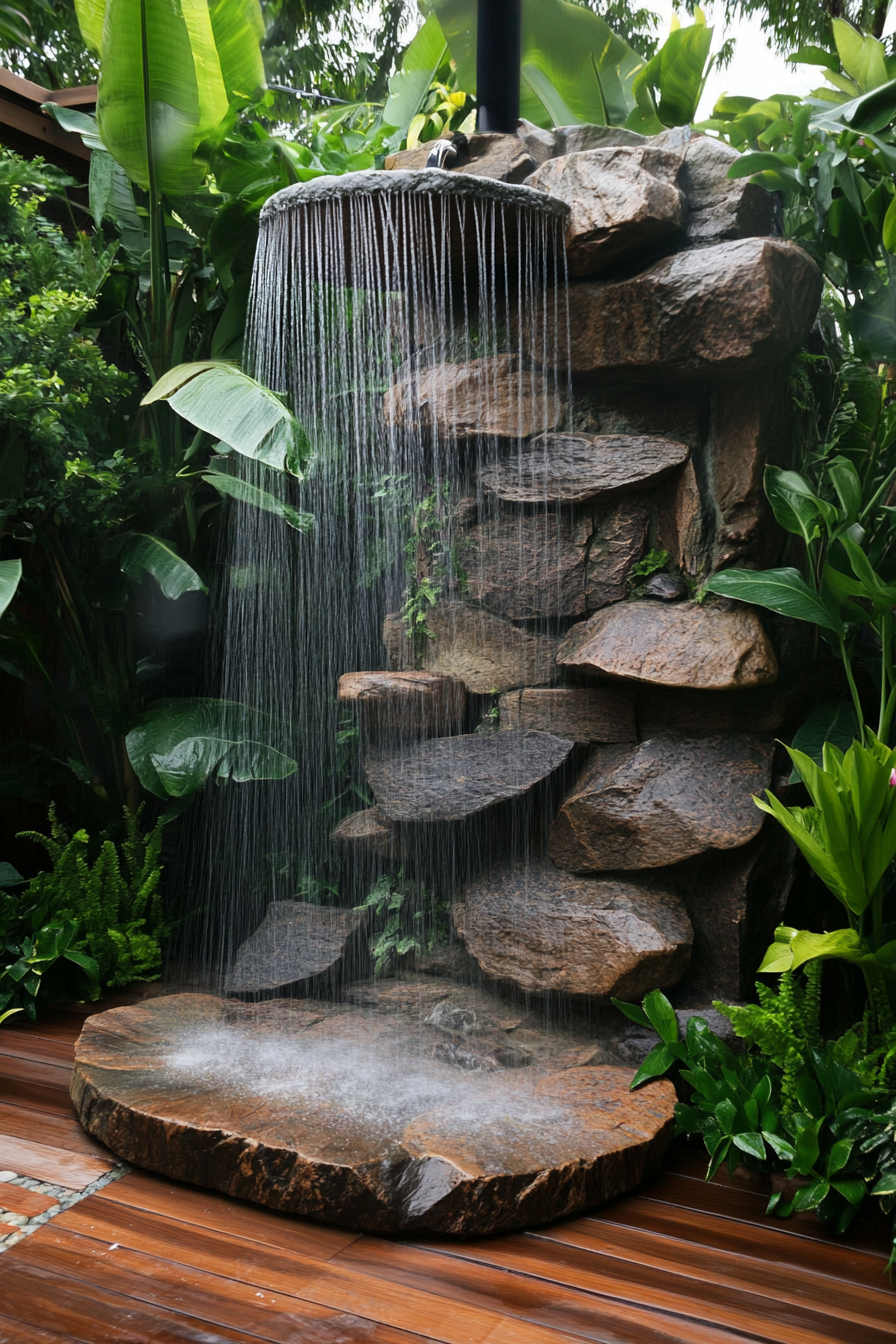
(685, 644)
(575, 468)
(450, 778)
(623, 204)
(576, 139)
(660, 802)
(584, 714)
(295, 944)
(367, 834)
(486, 652)
(544, 931)
(404, 704)
(665, 588)
(680, 526)
(717, 206)
(482, 398)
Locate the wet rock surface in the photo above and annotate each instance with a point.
(545, 931)
(582, 713)
(349, 1116)
(623, 203)
(717, 206)
(575, 468)
(731, 308)
(367, 833)
(682, 644)
(450, 778)
(486, 652)
(405, 704)
(295, 944)
(506, 158)
(661, 801)
(680, 526)
(482, 398)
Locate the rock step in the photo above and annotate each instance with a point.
(480, 399)
(575, 468)
(584, 715)
(404, 704)
(487, 653)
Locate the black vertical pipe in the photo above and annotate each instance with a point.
(499, 28)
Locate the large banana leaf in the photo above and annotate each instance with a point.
(178, 745)
(169, 72)
(10, 576)
(574, 68)
(247, 493)
(668, 88)
(145, 554)
(409, 86)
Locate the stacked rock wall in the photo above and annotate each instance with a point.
(653, 710)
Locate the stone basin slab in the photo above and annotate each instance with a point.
(349, 1116)
(575, 468)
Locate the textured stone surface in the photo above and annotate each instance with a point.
(482, 398)
(735, 901)
(486, 652)
(577, 139)
(661, 801)
(294, 944)
(575, 468)
(623, 204)
(507, 158)
(718, 207)
(728, 309)
(404, 704)
(527, 565)
(367, 834)
(682, 644)
(370, 1127)
(545, 931)
(582, 714)
(680, 523)
(449, 778)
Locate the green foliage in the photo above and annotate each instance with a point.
(668, 89)
(390, 900)
(114, 902)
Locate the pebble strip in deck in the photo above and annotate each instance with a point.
(15, 1226)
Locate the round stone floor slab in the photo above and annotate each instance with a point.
(351, 1116)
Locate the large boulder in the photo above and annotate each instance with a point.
(580, 468)
(728, 309)
(451, 778)
(551, 564)
(623, 204)
(717, 206)
(662, 801)
(296, 944)
(680, 528)
(486, 652)
(482, 398)
(583, 714)
(404, 704)
(683, 644)
(544, 931)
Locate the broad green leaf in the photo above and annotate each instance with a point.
(217, 397)
(861, 56)
(852, 1191)
(842, 943)
(632, 1012)
(662, 1017)
(781, 590)
(99, 184)
(91, 14)
(238, 29)
(675, 76)
(886, 1185)
(780, 1146)
(178, 745)
(751, 1144)
(409, 87)
(889, 227)
(246, 493)
(589, 69)
(145, 554)
(10, 577)
(827, 723)
(658, 1062)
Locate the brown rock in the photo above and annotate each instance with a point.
(660, 802)
(735, 902)
(450, 778)
(717, 206)
(506, 158)
(550, 564)
(404, 704)
(367, 834)
(575, 468)
(623, 203)
(547, 932)
(728, 309)
(483, 398)
(679, 522)
(584, 715)
(705, 648)
(295, 944)
(578, 139)
(750, 426)
(354, 1122)
(487, 653)
(666, 709)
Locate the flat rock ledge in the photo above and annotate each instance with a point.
(450, 778)
(353, 1117)
(404, 704)
(705, 648)
(294, 944)
(575, 468)
(545, 931)
(661, 801)
(486, 652)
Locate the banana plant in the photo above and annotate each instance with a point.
(10, 577)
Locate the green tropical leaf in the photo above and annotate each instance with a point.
(145, 554)
(842, 943)
(862, 56)
(632, 1012)
(236, 488)
(409, 87)
(781, 590)
(827, 723)
(178, 745)
(673, 79)
(751, 1144)
(10, 578)
(661, 1016)
(888, 231)
(658, 1062)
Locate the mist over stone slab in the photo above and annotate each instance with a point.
(482, 398)
(661, 801)
(404, 704)
(580, 468)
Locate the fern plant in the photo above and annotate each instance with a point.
(115, 900)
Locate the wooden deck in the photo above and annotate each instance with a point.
(145, 1259)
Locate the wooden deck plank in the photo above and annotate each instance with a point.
(41, 1085)
(41, 1049)
(15, 1332)
(201, 1296)
(45, 1163)
(17, 1199)
(59, 1131)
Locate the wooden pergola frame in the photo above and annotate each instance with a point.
(29, 131)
